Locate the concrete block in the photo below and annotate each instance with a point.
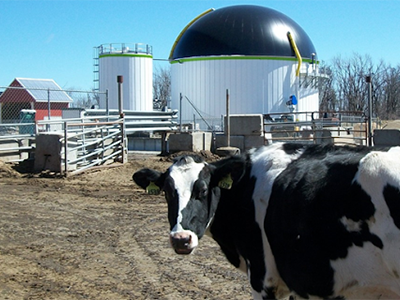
(48, 152)
(193, 141)
(324, 137)
(144, 143)
(246, 124)
(253, 141)
(386, 137)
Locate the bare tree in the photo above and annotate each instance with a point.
(389, 107)
(162, 87)
(83, 99)
(350, 84)
(327, 93)
(350, 81)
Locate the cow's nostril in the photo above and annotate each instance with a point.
(181, 243)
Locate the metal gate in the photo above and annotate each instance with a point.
(90, 144)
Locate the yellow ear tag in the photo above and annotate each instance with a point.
(226, 182)
(152, 189)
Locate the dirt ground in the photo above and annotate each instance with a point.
(98, 236)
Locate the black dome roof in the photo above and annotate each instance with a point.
(242, 30)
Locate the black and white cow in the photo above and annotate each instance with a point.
(306, 221)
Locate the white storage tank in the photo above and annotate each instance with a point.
(262, 56)
(135, 63)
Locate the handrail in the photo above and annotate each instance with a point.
(339, 129)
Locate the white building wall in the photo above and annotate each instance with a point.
(137, 72)
(255, 86)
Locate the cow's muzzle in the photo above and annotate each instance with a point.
(183, 242)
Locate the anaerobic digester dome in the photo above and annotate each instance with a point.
(247, 50)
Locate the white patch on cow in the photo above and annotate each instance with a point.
(267, 163)
(376, 170)
(184, 176)
(351, 225)
(365, 273)
(369, 270)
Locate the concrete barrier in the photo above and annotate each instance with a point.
(48, 152)
(246, 124)
(386, 137)
(189, 141)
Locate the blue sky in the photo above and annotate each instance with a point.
(55, 38)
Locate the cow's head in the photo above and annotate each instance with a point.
(192, 190)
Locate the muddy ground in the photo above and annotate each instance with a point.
(98, 236)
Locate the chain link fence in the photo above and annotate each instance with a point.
(26, 111)
(22, 105)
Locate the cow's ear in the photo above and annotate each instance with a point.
(150, 180)
(226, 182)
(228, 172)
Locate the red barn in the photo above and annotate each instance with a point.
(44, 96)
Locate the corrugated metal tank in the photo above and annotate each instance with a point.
(135, 63)
(244, 49)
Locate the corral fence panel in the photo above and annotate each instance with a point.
(88, 136)
(89, 144)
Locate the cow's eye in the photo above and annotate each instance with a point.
(203, 192)
(200, 190)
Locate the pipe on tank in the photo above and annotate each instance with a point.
(120, 80)
(296, 51)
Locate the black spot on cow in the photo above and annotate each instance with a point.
(292, 148)
(201, 207)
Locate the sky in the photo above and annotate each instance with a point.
(54, 39)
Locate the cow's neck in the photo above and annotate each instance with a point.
(234, 227)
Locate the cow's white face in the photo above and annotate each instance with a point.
(184, 188)
(191, 203)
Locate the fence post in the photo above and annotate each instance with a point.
(48, 110)
(228, 122)
(180, 112)
(124, 157)
(107, 107)
(102, 143)
(368, 79)
(65, 149)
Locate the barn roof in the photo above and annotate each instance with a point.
(248, 30)
(38, 89)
